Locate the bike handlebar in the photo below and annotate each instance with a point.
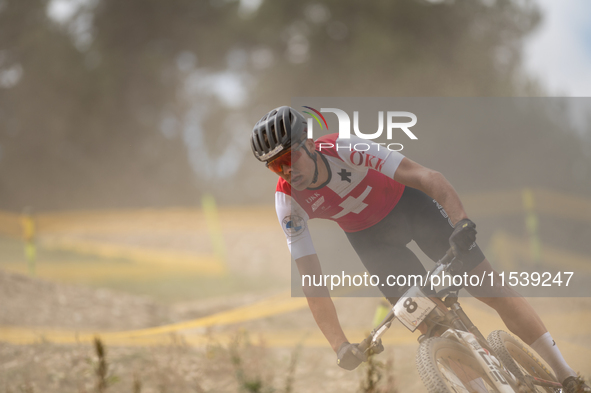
(364, 345)
(447, 258)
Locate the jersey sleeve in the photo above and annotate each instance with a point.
(294, 222)
(363, 154)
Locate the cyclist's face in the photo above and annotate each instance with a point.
(295, 166)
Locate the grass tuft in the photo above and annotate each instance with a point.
(137, 384)
(248, 360)
(102, 366)
(291, 370)
(101, 370)
(374, 381)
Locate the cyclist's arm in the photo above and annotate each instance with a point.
(320, 303)
(302, 250)
(433, 184)
(403, 170)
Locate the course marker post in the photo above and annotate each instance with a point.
(29, 235)
(214, 228)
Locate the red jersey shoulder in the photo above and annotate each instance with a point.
(326, 145)
(283, 186)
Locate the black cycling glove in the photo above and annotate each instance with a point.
(463, 236)
(349, 356)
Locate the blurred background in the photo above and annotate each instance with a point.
(109, 104)
(125, 161)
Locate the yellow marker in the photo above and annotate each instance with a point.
(381, 311)
(29, 232)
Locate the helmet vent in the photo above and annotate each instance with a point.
(282, 129)
(272, 132)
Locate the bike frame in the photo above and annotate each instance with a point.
(458, 327)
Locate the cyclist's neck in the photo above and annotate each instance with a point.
(324, 172)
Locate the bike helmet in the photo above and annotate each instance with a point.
(276, 132)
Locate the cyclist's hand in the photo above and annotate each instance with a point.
(463, 236)
(349, 356)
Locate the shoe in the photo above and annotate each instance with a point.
(575, 385)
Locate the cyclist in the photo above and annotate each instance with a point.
(382, 200)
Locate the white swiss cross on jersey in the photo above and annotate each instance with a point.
(359, 193)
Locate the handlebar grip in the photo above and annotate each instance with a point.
(449, 255)
(363, 345)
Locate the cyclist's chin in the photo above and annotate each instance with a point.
(299, 182)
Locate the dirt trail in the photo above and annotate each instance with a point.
(26, 301)
(51, 368)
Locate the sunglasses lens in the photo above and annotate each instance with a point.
(284, 160)
(277, 164)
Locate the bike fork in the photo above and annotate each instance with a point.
(457, 309)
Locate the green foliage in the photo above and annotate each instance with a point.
(248, 361)
(400, 48)
(247, 381)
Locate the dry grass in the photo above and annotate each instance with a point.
(242, 366)
(378, 377)
(253, 368)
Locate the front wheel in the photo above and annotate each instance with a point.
(446, 366)
(519, 358)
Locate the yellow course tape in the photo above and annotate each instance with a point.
(278, 304)
(275, 305)
(283, 338)
(272, 306)
(208, 265)
(100, 271)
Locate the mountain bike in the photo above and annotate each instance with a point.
(453, 355)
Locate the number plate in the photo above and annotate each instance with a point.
(413, 307)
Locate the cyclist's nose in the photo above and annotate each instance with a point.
(286, 169)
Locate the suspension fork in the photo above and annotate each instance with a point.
(457, 309)
(440, 319)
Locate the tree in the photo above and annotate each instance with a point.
(146, 102)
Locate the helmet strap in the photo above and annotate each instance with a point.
(314, 158)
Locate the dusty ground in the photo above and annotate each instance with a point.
(47, 367)
(257, 270)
